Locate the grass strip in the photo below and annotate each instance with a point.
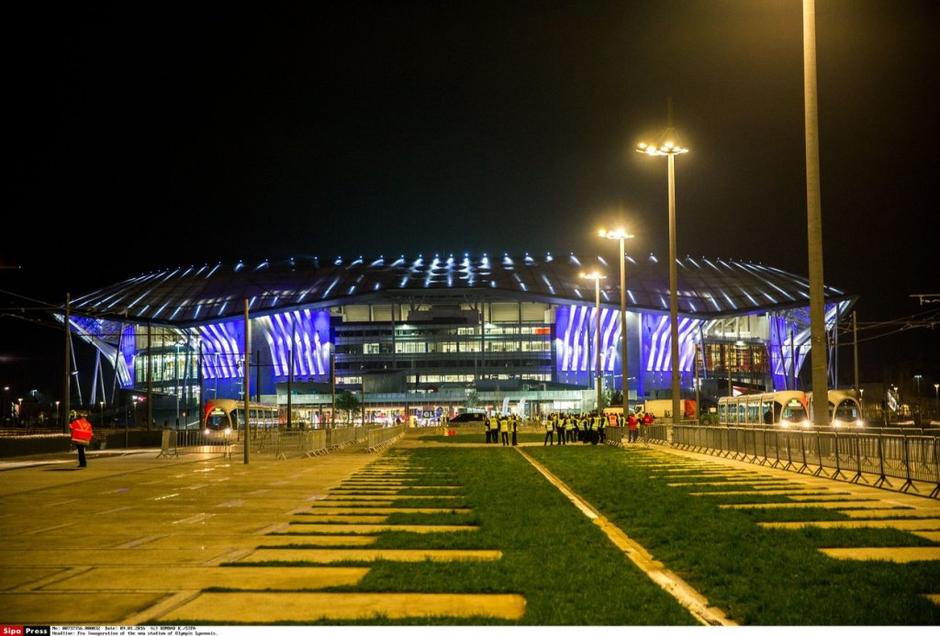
(568, 571)
(758, 575)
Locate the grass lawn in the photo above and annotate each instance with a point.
(477, 438)
(757, 575)
(568, 571)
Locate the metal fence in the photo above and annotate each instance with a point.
(884, 459)
(275, 442)
(382, 437)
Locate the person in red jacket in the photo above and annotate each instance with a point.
(81, 437)
(632, 424)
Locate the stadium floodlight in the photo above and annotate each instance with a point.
(670, 150)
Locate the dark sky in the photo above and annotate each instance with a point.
(151, 135)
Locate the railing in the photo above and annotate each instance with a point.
(874, 458)
(382, 437)
(174, 443)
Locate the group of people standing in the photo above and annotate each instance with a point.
(499, 429)
(591, 427)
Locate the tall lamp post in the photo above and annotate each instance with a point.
(596, 277)
(936, 399)
(817, 301)
(920, 405)
(622, 235)
(669, 150)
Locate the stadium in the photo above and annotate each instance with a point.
(441, 333)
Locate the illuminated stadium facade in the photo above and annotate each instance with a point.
(445, 331)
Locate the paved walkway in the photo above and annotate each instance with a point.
(136, 539)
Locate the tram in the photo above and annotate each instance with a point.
(780, 407)
(225, 416)
(844, 409)
(788, 408)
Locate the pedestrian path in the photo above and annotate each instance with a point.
(212, 540)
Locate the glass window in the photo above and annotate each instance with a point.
(722, 412)
(410, 347)
(753, 406)
(847, 411)
(472, 346)
(371, 348)
(742, 412)
(767, 411)
(793, 411)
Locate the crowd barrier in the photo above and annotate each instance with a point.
(380, 438)
(278, 443)
(871, 457)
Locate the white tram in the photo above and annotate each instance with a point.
(224, 416)
(787, 408)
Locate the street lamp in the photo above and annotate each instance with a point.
(621, 235)
(936, 399)
(57, 410)
(596, 277)
(101, 409)
(669, 150)
(920, 407)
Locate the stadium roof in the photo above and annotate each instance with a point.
(211, 292)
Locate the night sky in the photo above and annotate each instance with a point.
(153, 135)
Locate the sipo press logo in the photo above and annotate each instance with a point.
(24, 630)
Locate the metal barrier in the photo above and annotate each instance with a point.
(177, 443)
(380, 438)
(854, 456)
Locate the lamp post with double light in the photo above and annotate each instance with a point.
(621, 235)
(596, 277)
(669, 149)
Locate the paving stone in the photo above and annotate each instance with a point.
(113, 556)
(830, 505)
(14, 577)
(899, 524)
(388, 511)
(318, 517)
(768, 493)
(754, 483)
(197, 578)
(872, 514)
(896, 555)
(257, 608)
(830, 497)
(386, 497)
(333, 556)
(341, 528)
(44, 608)
(222, 543)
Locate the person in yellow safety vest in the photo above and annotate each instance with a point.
(504, 430)
(514, 425)
(569, 429)
(549, 431)
(595, 427)
(493, 429)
